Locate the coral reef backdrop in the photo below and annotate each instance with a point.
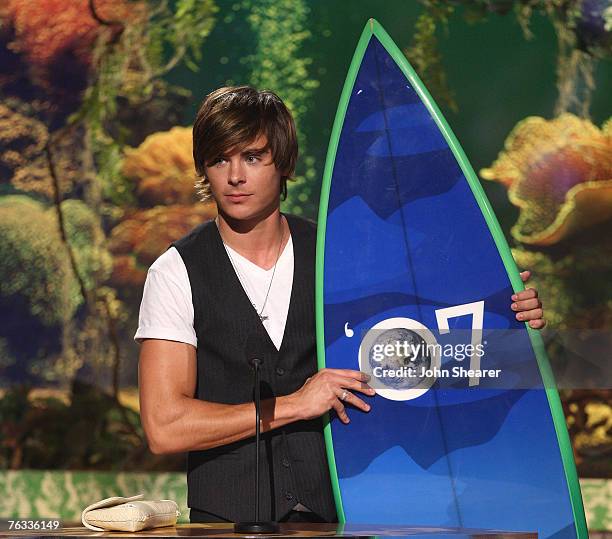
(96, 179)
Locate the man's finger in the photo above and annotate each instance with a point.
(340, 411)
(537, 324)
(528, 293)
(527, 304)
(350, 373)
(355, 385)
(534, 314)
(525, 275)
(351, 399)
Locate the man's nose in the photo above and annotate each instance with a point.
(236, 174)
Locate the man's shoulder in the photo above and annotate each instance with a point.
(168, 262)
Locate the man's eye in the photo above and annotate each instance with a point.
(252, 158)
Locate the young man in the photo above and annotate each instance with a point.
(233, 286)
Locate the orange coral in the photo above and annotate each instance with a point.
(559, 173)
(163, 168)
(143, 236)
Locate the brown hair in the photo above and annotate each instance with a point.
(234, 116)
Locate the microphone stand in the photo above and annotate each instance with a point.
(256, 526)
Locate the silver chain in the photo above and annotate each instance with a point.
(238, 274)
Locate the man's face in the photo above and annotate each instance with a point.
(245, 183)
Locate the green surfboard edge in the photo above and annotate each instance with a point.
(320, 249)
(373, 28)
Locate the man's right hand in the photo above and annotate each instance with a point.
(332, 388)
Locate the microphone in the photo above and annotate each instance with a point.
(254, 352)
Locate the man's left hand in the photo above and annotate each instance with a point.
(527, 305)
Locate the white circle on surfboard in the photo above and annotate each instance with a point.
(400, 323)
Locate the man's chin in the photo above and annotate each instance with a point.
(245, 213)
(237, 212)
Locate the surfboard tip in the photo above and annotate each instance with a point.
(371, 21)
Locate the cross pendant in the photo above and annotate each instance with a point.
(262, 317)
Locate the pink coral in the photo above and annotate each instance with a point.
(559, 173)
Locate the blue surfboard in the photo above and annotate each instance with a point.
(414, 279)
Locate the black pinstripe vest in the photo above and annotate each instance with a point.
(293, 465)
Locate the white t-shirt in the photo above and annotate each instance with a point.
(166, 310)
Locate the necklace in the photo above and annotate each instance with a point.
(260, 314)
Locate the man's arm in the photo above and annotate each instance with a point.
(175, 421)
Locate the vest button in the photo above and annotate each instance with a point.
(288, 496)
(285, 462)
(280, 371)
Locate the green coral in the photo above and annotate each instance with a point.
(573, 280)
(87, 241)
(425, 56)
(33, 262)
(108, 155)
(182, 29)
(278, 64)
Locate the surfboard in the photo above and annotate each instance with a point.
(413, 286)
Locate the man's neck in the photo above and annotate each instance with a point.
(261, 241)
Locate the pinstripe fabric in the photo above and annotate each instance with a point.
(293, 466)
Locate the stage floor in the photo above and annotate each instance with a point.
(286, 530)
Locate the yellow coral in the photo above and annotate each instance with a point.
(559, 173)
(22, 140)
(163, 168)
(24, 163)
